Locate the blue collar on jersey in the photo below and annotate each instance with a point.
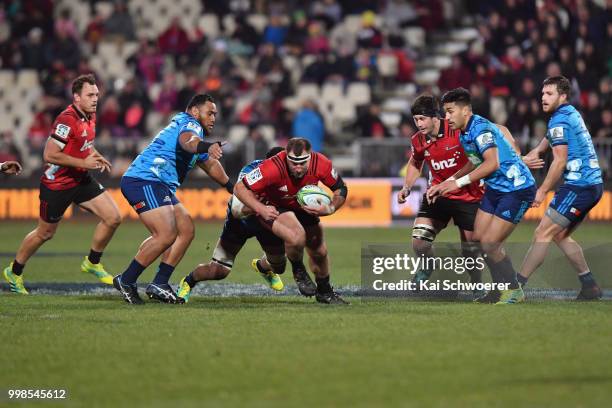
(469, 124)
(563, 105)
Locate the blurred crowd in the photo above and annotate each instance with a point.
(522, 41)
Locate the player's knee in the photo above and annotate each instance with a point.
(297, 238)
(167, 238)
(543, 233)
(113, 221)
(423, 236)
(45, 234)
(319, 254)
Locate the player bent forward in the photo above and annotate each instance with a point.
(240, 225)
(70, 154)
(277, 181)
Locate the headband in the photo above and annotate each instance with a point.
(298, 159)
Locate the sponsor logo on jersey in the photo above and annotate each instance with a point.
(87, 145)
(443, 164)
(507, 214)
(427, 153)
(556, 133)
(62, 130)
(139, 205)
(484, 139)
(167, 199)
(334, 173)
(283, 188)
(254, 176)
(575, 211)
(195, 127)
(451, 147)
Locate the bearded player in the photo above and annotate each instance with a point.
(241, 225)
(438, 145)
(276, 182)
(575, 159)
(509, 189)
(70, 154)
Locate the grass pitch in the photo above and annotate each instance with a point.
(287, 351)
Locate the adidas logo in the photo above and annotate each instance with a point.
(507, 214)
(84, 134)
(284, 189)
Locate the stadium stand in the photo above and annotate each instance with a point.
(264, 59)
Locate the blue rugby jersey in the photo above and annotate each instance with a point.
(512, 174)
(566, 127)
(164, 159)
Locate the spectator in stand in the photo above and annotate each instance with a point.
(109, 116)
(8, 149)
(455, 76)
(33, 50)
(368, 35)
(605, 129)
(39, 132)
(246, 35)
(275, 32)
(120, 26)
(174, 41)
(317, 42)
(65, 24)
(297, 33)
(329, 12)
(370, 124)
(64, 51)
(150, 62)
(95, 31)
(308, 124)
(168, 95)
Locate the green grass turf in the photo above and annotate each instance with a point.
(288, 351)
(344, 247)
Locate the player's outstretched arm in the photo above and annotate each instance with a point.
(10, 167)
(215, 170)
(53, 154)
(267, 212)
(413, 171)
(554, 173)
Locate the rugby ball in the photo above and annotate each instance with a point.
(312, 196)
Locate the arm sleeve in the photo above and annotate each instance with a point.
(261, 177)
(326, 172)
(557, 134)
(192, 127)
(485, 139)
(417, 155)
(63, 130)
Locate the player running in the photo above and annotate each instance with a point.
(509, 192)
(574, 157)
(277, 181)
(240, 225)
(436, 144)
(69, 154)
(10, 167)
(149, 185)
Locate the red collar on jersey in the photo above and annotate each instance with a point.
(81, 114)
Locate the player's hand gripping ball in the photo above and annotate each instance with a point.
(313, 196)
